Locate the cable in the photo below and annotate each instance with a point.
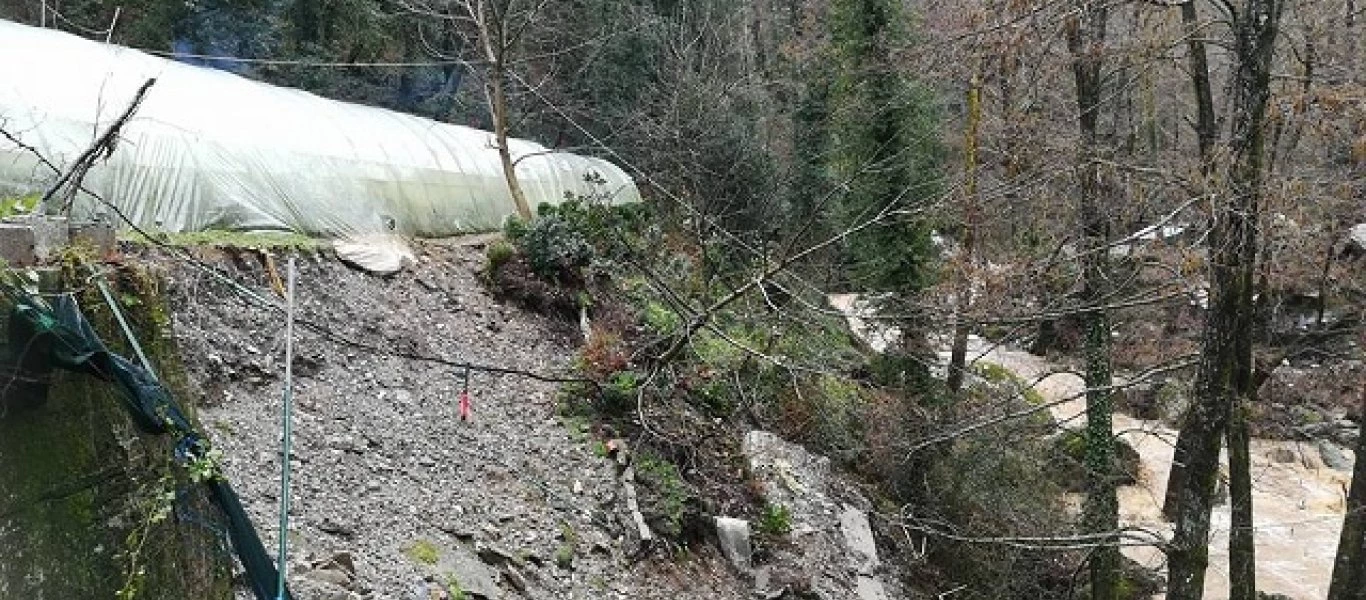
(301, 62)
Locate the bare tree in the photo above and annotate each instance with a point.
(1225, 377)
(1349, 569)
(494, 31)
(1086, 43)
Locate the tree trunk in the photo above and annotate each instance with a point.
(492, 27)
(1086, 41)
(499, 107)
(959, 352)
(1242, 563)
(1349, 568)
(1225, 375)
(1206, 130)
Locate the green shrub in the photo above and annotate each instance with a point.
(775, 521)
(554, 249)
(665, 496)
(499, 253)
(660, 318)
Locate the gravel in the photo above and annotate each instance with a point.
(383, 467)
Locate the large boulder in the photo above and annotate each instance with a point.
(832, 542)
(1069, 450)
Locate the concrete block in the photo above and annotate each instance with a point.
(96, 235)
(50, 235)
(17, 245)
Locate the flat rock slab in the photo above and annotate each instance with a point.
(858, 540)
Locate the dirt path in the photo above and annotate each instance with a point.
(1298, 505)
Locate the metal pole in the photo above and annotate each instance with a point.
(282, 561)
(123, 323)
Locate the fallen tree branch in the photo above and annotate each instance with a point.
(102, 149)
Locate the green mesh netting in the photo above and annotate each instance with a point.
(42, 336)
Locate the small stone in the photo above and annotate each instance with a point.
(1333, 456)
(514, 579)
(496, 555)
(578, 487)
(491, 531)
(858, 538)
(338, 529)
(330, 576)
(733, 536)
(1281, 454)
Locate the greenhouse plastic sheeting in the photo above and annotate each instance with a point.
(212, 150)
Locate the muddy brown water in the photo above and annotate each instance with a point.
(1298, 506)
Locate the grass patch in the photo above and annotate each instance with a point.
(260, 240)
(453, 589)
(423, 552)
(669, 495)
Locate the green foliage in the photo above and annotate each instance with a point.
(453, 589)
(498, 254)
(619, 394)
(995, 484)
(1070, 468)
(553, 249)
(1003, 378)
(569, 540)
(660, 318)
(423, 552)
(776, 520)
(885, 142)
(565, 240)
(667, 504)
(19, 205)
(564, 556)
(838, 407)
(206, 468)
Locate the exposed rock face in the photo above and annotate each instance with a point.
(834, 543)
(1333, 456)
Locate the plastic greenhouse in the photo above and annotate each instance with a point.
(212, 150)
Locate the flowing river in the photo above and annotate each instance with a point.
(1298, 504)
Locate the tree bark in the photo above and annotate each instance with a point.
(1349, 568)
(958, 354)
(1206, 128)
(1086, 41)
(1242, 564)
(492, 27)
(500, 132)
(1206, 133)
(1225, 374)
